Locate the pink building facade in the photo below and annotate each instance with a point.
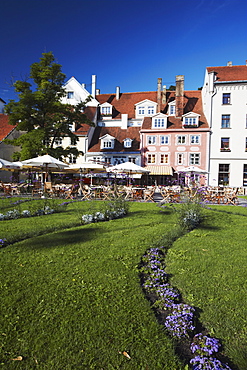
(176, 138)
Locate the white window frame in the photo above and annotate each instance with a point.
(70, 94)
(172, 108)
(58, 141)
(180, 159)
(165, 139)
(159, 122)
(165, 155)
(107, 144)
(72, 159)
(141, 110)
(151, 140)
(127, 143)
(150, 110)
(194, 159)
(151, 158)
(178, 138)
(197, 141)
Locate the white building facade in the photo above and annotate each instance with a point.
(224, 97)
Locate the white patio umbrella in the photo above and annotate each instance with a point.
(86, 168)
(193, 169)
(44, 162)
(127, 167)
(7, 165)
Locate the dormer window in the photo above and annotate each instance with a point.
(127, 143)
(146, 108)
(107, 142)
(151, 110)
(106, 109)
(159, 121)
(141, 110)
(191, 120)
(172, 108)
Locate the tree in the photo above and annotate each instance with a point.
(172, 88)
(40, 113)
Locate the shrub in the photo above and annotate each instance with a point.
(190, 214)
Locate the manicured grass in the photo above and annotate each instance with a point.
(208, 266)
(72, 299)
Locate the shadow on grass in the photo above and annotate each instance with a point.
(61, 238)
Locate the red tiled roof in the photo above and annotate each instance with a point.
(192, 103)
(5, 127)
(120, 134)
(230, 73)
(126, 102)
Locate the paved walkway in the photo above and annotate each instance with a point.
(242, 201)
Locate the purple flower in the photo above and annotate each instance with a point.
(208, 363)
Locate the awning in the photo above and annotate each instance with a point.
(160, 170)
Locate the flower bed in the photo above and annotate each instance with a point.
(178, 318)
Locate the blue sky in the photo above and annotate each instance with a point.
(127, 43)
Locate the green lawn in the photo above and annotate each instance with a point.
(208, 266)
(71, 299)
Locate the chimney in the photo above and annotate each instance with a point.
(117, 92)
(124, 118)
(159, 93)
(93, 85)
(229, 64)
(97, 91)
(83, 85)
(164, 95)
(246, 62)
(179, 95)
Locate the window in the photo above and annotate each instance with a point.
(107, 160)
(127, 143)
(73, 141)
(107, 144)
(151, 140)
(159, 122)
(181, 139)
(106, 110)
(58, 141)
(226, 98)
(223, 175)
(172, 110)
(46, 142)
(70, 94)
(180, 158)
(132, 159)
(151, 158)
(225, 144)
(191, 121)
(245, 175)
(150, 110)
(164, 158)
(118, 160)
(164, 140)
(141, 110)
(225, 121)
(195, 139)
(194, 158)
(97, 159)
(72, 158)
